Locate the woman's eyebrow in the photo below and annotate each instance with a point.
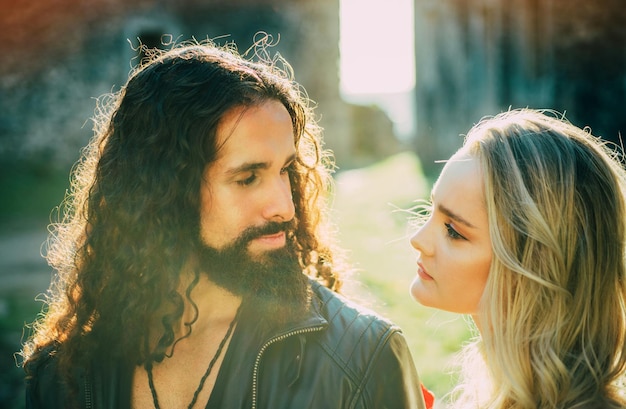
(454, 216)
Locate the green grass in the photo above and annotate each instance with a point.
(371, 227)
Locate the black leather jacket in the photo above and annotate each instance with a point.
(338, 357)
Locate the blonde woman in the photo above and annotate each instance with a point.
(526, 233)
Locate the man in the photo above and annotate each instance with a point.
(194, 262)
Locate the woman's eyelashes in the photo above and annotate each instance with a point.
(452, 233)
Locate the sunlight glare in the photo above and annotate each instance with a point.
(376, 46)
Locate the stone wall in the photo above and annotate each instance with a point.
(480, 57)
(59, 55)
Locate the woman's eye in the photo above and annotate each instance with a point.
(453, 234)
(247, 181)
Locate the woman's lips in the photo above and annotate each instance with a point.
(421, 272)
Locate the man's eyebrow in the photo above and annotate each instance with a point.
(251, 166)
(454, 216)
(247, 167)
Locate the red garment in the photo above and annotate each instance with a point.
(429, 398)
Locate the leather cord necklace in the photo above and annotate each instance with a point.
(155, 399)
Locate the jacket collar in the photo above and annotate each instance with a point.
(312, 318)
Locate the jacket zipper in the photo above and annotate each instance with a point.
(88, 397)
(257, 362)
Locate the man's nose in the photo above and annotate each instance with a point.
(280, 205)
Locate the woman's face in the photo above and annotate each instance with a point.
(454, 247)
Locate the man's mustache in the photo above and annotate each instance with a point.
(267, 229)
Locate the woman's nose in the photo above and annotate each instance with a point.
(420, 240)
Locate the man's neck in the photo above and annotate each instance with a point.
(190, 372)
(215, 305)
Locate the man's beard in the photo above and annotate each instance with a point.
(273, 278)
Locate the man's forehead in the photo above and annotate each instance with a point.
(255, 134)
(237, 155)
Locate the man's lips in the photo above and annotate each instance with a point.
(273, 239)
(421, 272)
(272, 236)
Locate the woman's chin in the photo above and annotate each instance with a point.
(419, 293)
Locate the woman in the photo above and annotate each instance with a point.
(526, 233)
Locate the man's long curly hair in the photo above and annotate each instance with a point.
(130, 222)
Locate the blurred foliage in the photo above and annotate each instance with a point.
(30, 190)
(17, 310)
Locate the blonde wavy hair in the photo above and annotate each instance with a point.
(552, 317)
